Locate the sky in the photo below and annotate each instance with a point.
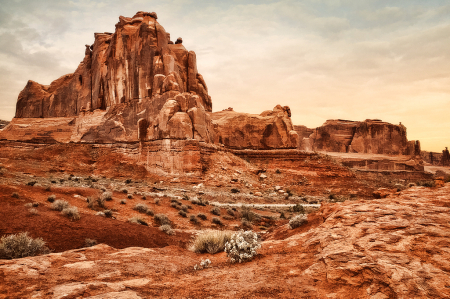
(325, 59)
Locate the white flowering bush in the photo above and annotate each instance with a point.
(203, 264)
(242, 246)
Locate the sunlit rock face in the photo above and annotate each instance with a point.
(371, 136)
(269, 130)
(129, 75)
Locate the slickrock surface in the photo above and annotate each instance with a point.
(371, 136)
(269, 130)
(397, 247)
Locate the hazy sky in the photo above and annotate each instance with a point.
(348, 59)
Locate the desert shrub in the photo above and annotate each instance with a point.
(123, 201)
(32, 205)
(174, 205)
(278, 171)
(215, 211)
(161, 219)
(21, 245)
(137, 220)
(248, 214)
(157, 201)
(32, 183)
(227, 217)
(90, 242)
(130, 196)
(201, 216)
(167, 229)
(282, 216)
(96, 203)
(182, 213)
(289, 192)
(128, 181)
(48, 188)
(59, 205)
(108, 213)
(51, 198)
(193, 219)
(15, 195)
(33, 211)
(106, 196)
(210, 241)
(174, 200)
(184, 208)
(203, 264)
(141, 208)
(297, 221)
(185, 197)
(150, 212)
(144, 197)
(298, 208)
(71, 212)
(230, 212)
(428, 184)
(246, 225)
(243, 246)
(235, 190)
(217, 221)
(124, 191)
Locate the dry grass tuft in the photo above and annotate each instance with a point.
(210, 241)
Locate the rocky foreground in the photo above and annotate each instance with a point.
(396, 247)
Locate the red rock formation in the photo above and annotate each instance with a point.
(269, 130)
(131, 75)
(371, 136)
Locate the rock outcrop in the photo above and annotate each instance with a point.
(133, 75)
(268, 130)
(371, 136)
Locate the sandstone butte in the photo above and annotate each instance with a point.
(136, 118)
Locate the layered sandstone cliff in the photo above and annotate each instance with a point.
(371, 136)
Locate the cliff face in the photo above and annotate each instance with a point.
(147, 87)
(135, 63)
(369, 136)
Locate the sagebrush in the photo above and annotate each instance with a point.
(21, 245)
